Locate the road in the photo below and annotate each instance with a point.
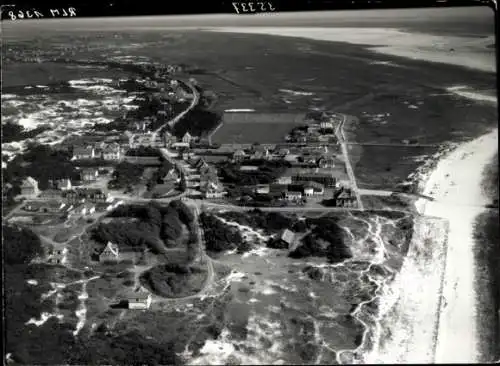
(173, 121)
(350, 172)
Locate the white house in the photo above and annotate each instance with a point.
(187, 138)
(139, 301)
(109, 253)
(64, 184)
(308, 191)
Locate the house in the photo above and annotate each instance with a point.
(304, 176)
(64, 184)
(239, 155)
(308, 191)
(29, 187)
(139, 301)
(111, 153)
(345, 198)
(110, 253)
(326, 126)
(293, 195)
(326, 162)
(260, 152)
(318, 189)
(213, 190)
(88, 209)
(171, 176)
(262, 189)
(83, 153)
(286, 179)
(287, 237)
(89, 175)
(58, 256)
(168, 139)
(50, 194)
(93, 195)
(187, 138)
(52, 206)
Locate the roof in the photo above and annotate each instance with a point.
(259, 117)
(89, 170)
(83, 150)
(315, 185)
(139, 296)
(111, 247)
(29, 181)
(287, 236)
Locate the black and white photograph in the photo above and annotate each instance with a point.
(247, 183)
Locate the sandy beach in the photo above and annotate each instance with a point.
(455, 184)
(470, 52)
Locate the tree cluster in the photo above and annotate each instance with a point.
(41, 162)
(173, 280)
(144, 151)
(197, 122)
(12, 132)
(158, 226)
(219, 236)
(324, 231)
(126, 175)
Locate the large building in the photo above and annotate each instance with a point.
(29, 187)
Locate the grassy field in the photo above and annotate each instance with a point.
(248, 133)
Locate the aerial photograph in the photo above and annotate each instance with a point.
(314, 187)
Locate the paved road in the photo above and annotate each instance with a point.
(350, 172)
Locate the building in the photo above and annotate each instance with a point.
(187, 138)
(345, 198)
(326, 162)
(208, 174)
(139, 301)
(262, 189)
(110, 253)
(112, 153)
(171, 176)
(326, 178)
(80, 153)
(64, 184)
(286, 179)
(239, 155)
(168, 139)
(89, 175)
(318, 189)
(88, 209)
(294, 194)
(308, 191)
(50, 194)
(287, 237)
(260, 152)
(29, 187)
(58, 256)
(79, 195)
(212, 190)
(326, 126)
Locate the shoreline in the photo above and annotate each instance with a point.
(458, 172)
(468, 52)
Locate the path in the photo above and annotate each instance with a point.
(350, 172)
